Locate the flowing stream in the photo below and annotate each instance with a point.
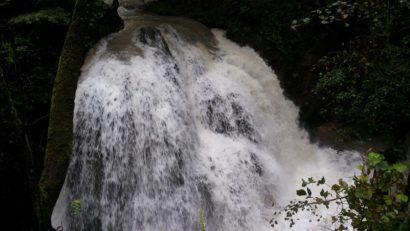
(172, 122)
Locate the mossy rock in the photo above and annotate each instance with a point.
(82, 33)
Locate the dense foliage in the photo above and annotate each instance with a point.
(31, 37)
(366, 82)
(32, 34)
(376, 199)
(28, 57)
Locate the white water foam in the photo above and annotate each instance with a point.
(182, 128)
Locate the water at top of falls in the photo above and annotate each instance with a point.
(172, 120)
(129, 8)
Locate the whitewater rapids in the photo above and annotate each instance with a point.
(173, 120)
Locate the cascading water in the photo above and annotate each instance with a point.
(173, 120)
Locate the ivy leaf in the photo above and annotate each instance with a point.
(319, 200)
(375, 158)
(363, 193)
(304, 183)
(322, 193)
(385, 219)
(321, 181)
(387, 200)
(360, 167)
(363, 178)
(343, 184)
(335, 187)
(402, 197)
(400, 167)
(309, 191)
(301, 192)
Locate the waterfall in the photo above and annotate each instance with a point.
(172, 121)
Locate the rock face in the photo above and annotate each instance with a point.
(131, 3)
(129, 8)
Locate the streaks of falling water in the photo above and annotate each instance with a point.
(171, 120)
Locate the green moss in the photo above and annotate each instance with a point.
(51, 15)
(60, 132)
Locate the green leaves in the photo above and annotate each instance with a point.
(374, 200)
(336, 187)
(363, 178)
(309, 192)
(324, 193)
(375, 158)
(304, 183)
(362, 193)
(363, 88)
(400, 167)
(343, 185)
(52, 15)
(402, 198)
(301, 192)
(321, 181)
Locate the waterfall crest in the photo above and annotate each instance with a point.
(172, 120)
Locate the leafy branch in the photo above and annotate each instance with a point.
(375, 200)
